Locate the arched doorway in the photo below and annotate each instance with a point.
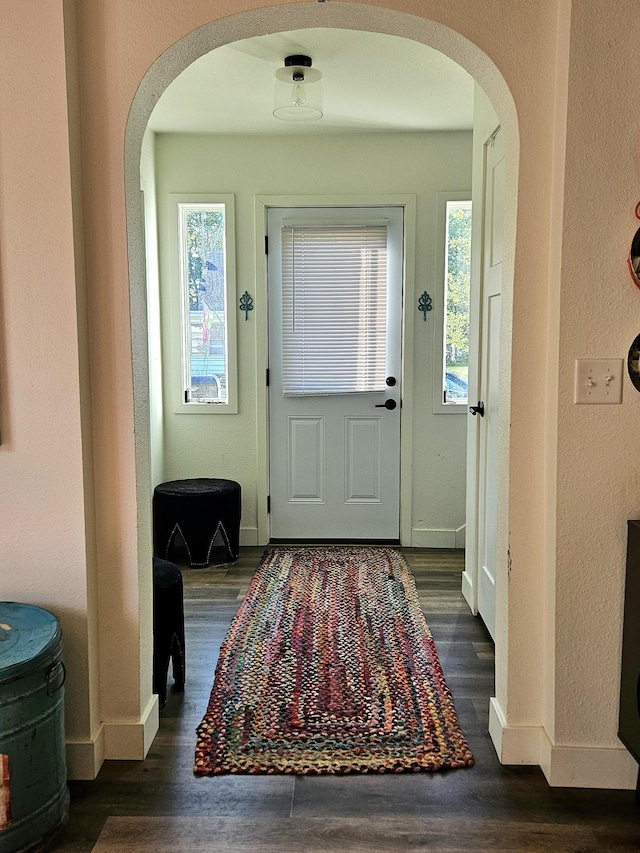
(246, 25)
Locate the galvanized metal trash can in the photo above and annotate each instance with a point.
(34, 798)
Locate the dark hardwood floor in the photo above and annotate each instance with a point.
(158, 805)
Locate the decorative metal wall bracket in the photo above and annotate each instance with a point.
(246, 304)
(425, 304)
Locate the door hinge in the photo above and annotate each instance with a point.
(268, 504)
(266, 244)
(186, 395)
(267, 377)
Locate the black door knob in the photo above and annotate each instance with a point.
(477, 410)
(388, 404)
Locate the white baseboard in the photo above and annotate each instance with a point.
(588, 767)
(131, 740)
(563, 766)
(120, 740)
(248, 536)
(438, 537)
(85, 757)
(514, 744)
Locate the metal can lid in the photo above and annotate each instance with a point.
(28, 634)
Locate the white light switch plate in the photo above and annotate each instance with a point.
(598, 380)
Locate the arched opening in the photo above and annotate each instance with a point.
(247, 25)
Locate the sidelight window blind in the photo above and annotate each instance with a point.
(334, 308)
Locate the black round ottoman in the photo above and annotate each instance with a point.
(168, 627)
(198, 509)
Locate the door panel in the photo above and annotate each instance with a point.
(363, 460)
(334, 459)
(306, 459)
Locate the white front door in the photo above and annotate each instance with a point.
(488, 388)
(335, 279)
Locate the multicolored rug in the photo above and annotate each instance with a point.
(329, 667)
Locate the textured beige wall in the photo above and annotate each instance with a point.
(566, 545)
(42, 495)
(598, 446)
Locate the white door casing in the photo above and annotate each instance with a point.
(489, 369)
(335, 458)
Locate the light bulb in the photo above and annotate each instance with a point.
(297, 92)
(298, 95)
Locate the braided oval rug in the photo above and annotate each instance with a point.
(329, 667)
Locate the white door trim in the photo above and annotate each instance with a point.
(262, 203)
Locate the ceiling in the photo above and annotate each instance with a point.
(372, 82)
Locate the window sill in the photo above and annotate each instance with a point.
(206, 409)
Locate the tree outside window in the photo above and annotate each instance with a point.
(457, 292)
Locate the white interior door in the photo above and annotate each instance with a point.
(488, 387)
(335, 318)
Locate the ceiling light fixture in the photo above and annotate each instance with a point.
(297, 90)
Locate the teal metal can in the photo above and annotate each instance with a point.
(34, 798)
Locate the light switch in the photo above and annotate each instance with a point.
(598, 380)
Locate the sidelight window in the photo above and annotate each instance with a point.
(452, 360)
(207, 301)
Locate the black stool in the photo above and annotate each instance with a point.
(168, 627)
(198, 509)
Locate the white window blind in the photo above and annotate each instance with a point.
(334, 308)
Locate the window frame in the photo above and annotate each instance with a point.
(179, 303)
(439, 363)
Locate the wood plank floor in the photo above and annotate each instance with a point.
(158, 805)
